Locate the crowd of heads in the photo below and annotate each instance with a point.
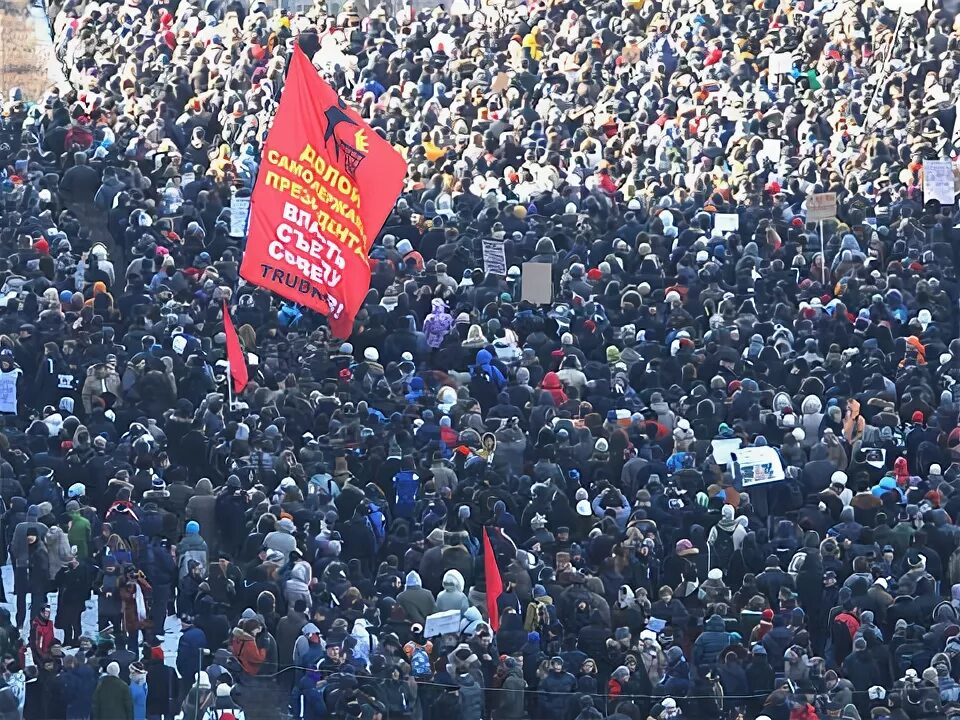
(319, 540)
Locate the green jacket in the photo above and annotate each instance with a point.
(79, 534)
(112, 700)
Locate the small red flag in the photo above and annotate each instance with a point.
(235, 355)
(494, 583)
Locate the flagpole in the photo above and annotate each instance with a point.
(229, 389)
(823, 257)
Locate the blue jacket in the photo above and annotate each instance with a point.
(555, 692)
(79, 685)
(188, 653)
(139, 693)
(712, 641)
(676, 680)
(485, 363)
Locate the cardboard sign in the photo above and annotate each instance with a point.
(537, 279)
(441, 623)
(938, 182)
(722, 448)
(758, 465)
(500, 83)
(239, 215)
(494, 258)
(726, 222)
(821, 206)
(781, 63)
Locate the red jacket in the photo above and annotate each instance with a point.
(850, 621)
(803, 712)
(244, 647)
(41, 637)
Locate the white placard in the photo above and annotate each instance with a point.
(494, 258)
(239, 216)
(771, 150)
(758, 465)
(721, 448)
(781, 63)
(938, 182)
(821, 206)
(726, 222)
(441, 623)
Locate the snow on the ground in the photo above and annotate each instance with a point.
(89, 619)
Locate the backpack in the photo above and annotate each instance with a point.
(722, 550)
(539, 617)
(378, 523)
(420, 663)
(840, 637)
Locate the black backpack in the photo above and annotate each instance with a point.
(842, 643)
(722, 550)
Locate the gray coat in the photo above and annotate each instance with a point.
(471, 698)
(511, 705)
(417, 603)
(202, 508)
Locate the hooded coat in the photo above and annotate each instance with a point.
(202, 507)
(710, 643)
(416, 601)
(452, 596)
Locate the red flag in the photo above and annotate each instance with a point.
(235, 355)
(326, 184)
(494, 583)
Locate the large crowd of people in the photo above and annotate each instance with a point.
(314, 544)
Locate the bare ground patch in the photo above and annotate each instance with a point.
(22, 63)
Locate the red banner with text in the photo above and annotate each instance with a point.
(326, 184)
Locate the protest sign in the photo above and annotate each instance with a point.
(239, 215)
(938, 182)
(494, 258)
(781, 63)
(721, 448)
(758, 465)
(771, 150)
(726, 222)
(821, 206)
(441, 623)
(537, 280)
